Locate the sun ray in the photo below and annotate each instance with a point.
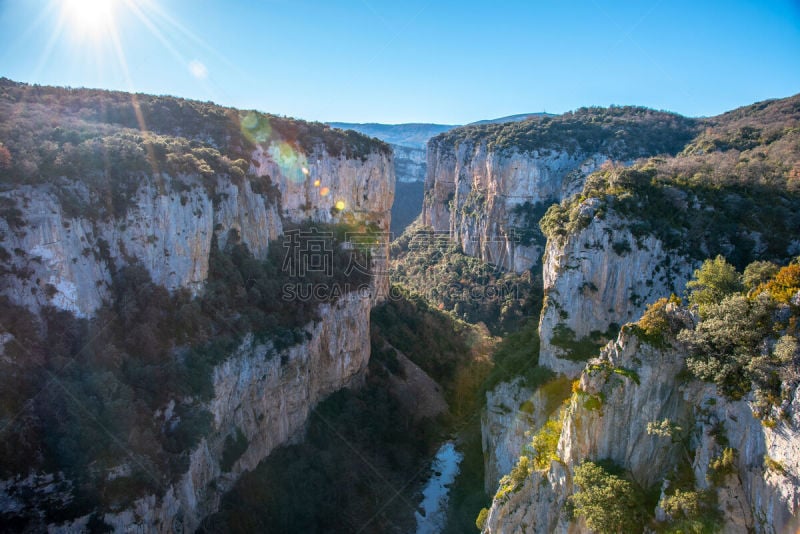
(189, 35)
(55, 36)
(154, 30)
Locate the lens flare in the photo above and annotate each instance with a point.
(198, 69)
(289, 161)
(255, 127)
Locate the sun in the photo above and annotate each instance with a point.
(89, 18)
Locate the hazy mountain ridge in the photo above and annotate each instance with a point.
(518, 117)
(411, 135)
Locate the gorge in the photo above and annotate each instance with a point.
(593, 320)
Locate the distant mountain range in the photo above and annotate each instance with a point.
(416, 135)
(411, 135)
(512, 118)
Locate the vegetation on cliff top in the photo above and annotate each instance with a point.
(734, 190)
(109, 140)
(624, 132)
(434, 266)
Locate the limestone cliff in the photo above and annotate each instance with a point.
(512, 413)
(596, 279)
(62, 241)
(472, 192)
(66, 261)
(630, 385)
(504, 428)
(410, 163)
(408, 144)
(485, 182)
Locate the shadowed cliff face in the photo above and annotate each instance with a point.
(250, 180)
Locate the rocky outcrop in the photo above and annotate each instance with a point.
(67, 261)
(312, 185)
(596, 279)
(511, 414)
(407, 142)
(632, 384)
(472, 192)
(504, 428)
(325, 189)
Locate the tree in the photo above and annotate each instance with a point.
(657, 321)
(785, 284)
(712, 282)
(723, 345)
(758, 273)
(545, 443)
(608, 502)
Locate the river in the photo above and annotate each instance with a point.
(433, 515)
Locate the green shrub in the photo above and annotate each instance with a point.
(545, 443)
(722, 466)
(606, 501)
(512, 482)
(712, 282)
(691, 512)
(724, 343)
(483, 516)
(656, 324)
(576, 350)
(773, 465)
(621, 247)
(757, 273)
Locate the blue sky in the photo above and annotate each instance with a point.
(415, 60)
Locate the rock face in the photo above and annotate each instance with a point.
(408, 144)
(512, 413)
(504, 426)
(66, 261)
(636, 384)
(316, 187)
(264, 395)
(410, 163)
(267, 396)
(599, 278)
(471, 191)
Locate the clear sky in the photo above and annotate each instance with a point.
(413, 60)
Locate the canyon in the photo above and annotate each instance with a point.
(605, 221)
